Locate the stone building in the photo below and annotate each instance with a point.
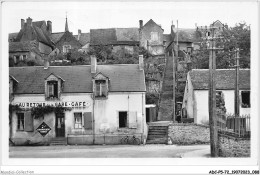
(103, 103)
(33, 41)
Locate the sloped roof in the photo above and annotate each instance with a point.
(12, 36)
(128, 36)
(34, 32)
(186, 35)
(84, 38)
(19, 46)
(225, 78)
(150, 23)
(123, 78)
(55, 37)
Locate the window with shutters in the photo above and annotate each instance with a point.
(122, 119)
(20, 121)
(78, 120)
(52, 89)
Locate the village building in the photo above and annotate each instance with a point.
(151, 38)
(195, 101)
(121, 40)
(32, 42)
(65, 42)
(103, 103)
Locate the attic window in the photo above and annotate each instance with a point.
(101, 88)
(154, 36)
(245, 97)
(52, 89)
(66, 48)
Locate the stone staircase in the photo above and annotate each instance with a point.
(157, 133)
(166, 96)
(58, 141)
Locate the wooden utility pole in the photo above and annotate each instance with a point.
(173, 91)
(210, 33)
(237, 100)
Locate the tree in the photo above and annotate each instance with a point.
(234, 37)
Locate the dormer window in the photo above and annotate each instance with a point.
(100, 87)
(53, 87)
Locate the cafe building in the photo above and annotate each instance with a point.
(86, 104)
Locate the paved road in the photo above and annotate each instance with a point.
(109, 151)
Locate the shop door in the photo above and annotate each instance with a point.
(60, 125)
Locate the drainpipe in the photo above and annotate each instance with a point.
(93, 119)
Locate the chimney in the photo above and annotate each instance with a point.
(49, 26)
(141, 62)
(46, 63)
(93, 64)
(79, 33)
(29, 21)
(140, 24)
(22, 23)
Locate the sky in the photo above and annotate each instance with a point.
(93, 15)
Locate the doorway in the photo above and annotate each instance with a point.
(60, 125)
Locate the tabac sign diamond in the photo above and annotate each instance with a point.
(43, 129)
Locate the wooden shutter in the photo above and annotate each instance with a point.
(28, 121)
(87, 120)
(132, 119)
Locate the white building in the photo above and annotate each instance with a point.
(195, 100)
(101, 100)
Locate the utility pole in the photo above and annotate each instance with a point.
(237, 100)
(210, 33)
(175, 69)
(173, 91)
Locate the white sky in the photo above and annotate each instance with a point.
(91, 15)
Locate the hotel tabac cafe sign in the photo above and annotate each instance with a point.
(72, 104)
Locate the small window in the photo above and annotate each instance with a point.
(122, 119)
(24, 57)
(154, 36)
(52, 89)
(245, 95)
(66, 48)
(78, 120)
(20, 121)
(101, 88)
(16, 58)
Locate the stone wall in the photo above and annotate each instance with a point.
(232, 146)
(189, 133)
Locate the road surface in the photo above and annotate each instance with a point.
(109, 151)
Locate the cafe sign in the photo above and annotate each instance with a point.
(72, 104)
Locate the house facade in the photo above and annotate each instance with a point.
(151, 37)
(195, 101)
(102, 103)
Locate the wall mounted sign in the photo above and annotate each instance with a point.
(43, 129)
(73, 104)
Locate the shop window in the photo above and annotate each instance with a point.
(20, 122)
(154, 36)
(245, 97)
(52, 89)
(101, 88)
(122, 119)
(78, 120)
(66, 48)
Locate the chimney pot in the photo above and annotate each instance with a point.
(79, 33)
(29, 21)
(22, 23)
(141, 62)
(93, 64)
(49, 26)
(141, 24)
(46, 64)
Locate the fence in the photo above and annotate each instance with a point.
(238, 125)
